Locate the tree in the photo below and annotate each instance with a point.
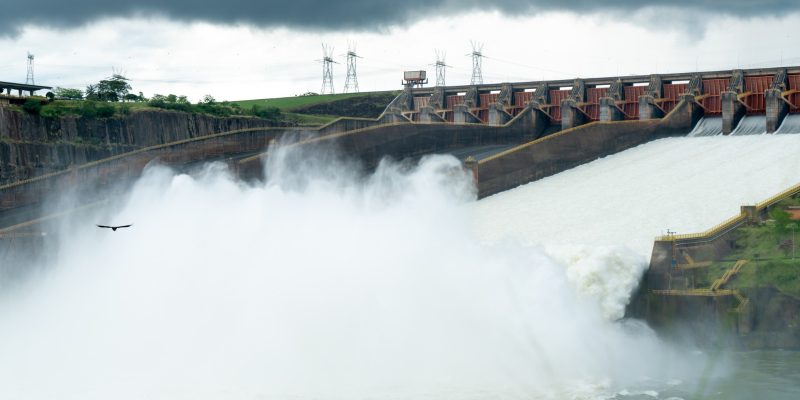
(68, 94)
(209, 99)
(782, 220)
(170, 102)
(91, 92)
(112, 89)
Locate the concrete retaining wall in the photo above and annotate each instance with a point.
(409, 140)
(572, 147)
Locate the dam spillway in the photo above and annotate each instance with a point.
(343, 274)
(682, 184)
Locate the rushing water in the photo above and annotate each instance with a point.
(325, 284)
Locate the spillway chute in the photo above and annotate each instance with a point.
(790, 125)
(707, 126)
(751, 125)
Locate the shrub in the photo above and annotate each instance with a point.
(105, 110)
(32, 106)
(270, 113)
(88, 109)
(68, 94)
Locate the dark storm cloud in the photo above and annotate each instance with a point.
(343, 14)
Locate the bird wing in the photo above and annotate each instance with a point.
(103, 226)
(125, 226)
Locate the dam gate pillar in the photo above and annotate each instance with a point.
(461, 115)
(732, 109)
(428, 114)
(498, 114)
(571, 116)
(776, 107)
(648, 108)
(609, 111)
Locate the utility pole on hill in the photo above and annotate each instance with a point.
(327, 69)
(351, 83)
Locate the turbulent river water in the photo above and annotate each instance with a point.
(324, 283)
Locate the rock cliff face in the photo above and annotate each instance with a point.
(31, 145)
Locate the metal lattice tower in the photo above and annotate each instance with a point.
(327, 69)
(440, 67)
(351, 83)
(477, 57)
(29, 78)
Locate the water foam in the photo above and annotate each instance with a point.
(319, 283)
(599, 219)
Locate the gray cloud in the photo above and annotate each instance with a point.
(348, 14)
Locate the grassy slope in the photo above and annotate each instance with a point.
(291, 103)
(770, 264)
(288, 104)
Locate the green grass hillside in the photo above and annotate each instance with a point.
(321, 109)
(295, 102)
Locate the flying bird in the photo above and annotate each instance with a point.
(114, 228)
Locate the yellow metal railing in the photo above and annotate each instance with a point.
(730, 222)
(714, 290)
(728, 275)
(778, 197)
(695, 292)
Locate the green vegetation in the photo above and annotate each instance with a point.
(113, 97)
(769, 247)
(33, 105)
(307, 119)
(295, 102)
(67, 93)
(113, 89)
(87, 108)
(315, 109)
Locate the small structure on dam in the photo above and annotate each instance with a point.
(731, 95)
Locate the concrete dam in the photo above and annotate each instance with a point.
(395, 270)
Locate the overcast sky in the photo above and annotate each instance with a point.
(238, 49)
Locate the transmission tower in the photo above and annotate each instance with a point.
(477, 57)
(327, 69)
(29, 78)
(351, 83)
(440, 67)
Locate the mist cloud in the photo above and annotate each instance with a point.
(359, 15)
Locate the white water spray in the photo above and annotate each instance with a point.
(599, 219)
(316, 284)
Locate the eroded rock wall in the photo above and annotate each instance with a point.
(31, 145)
